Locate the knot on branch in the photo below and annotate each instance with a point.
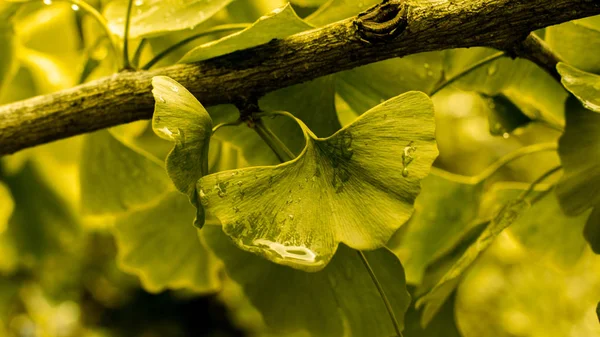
(382, 22)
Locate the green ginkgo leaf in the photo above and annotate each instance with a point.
(364, 87)
(280, 23)
(116, 178)
(158, 244)
(579, 188)
(357, 187)
(577, 43)
(341, 300)
(156, 17)
(585, 86)
(6, 206)
(335, 10)
(180, 118)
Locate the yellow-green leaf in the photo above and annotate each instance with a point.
(585, 86)
(357, 187)
(341, 300)
(116, 178)
(156, 17)
(158, 244)
(579, 188)
(180, 118)
(280, 23)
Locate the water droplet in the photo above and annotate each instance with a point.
(74, 7)
(165, 131)
(426, 65)
(203, 198)
(492, 70)
(48, 2)
(221, 189)
(291, 216)
(161, 99)
(407, 158)
(298, 253)
(506, 135)
(139, 2)
(174, 88)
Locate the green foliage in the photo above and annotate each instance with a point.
(107, 169)
(333, 173)
(278, 24)
(319, 304)
(155, 17)
(464, 246)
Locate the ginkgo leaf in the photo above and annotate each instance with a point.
(280, 23)
(156, 17)
(585, 86)
(158, 244)
(577, 43)
(335, 10)
(357, 187)
(6, 206)
(180, 118)
(116, 177)
(364, 87)
(341, 300)
(526, 85)
(579, 188)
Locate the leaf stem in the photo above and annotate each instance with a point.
(126, 64)
(213, 30)
(467, 71)
(387, 303)
(138, 52)
(279, 148)
(510, 157)
(539, 181)
(220, 125)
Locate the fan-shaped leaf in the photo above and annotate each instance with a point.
(356, 187)
(280, 23)
(116, 178)
(156, 17)
(158, 244)
(585, 86)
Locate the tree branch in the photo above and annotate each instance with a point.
(425, 26)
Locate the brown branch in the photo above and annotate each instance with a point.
(426, 26)
(536, 50)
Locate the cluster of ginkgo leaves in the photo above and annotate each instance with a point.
(372, 202)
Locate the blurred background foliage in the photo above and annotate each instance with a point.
(95, 242)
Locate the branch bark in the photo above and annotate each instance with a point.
(427, 26)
